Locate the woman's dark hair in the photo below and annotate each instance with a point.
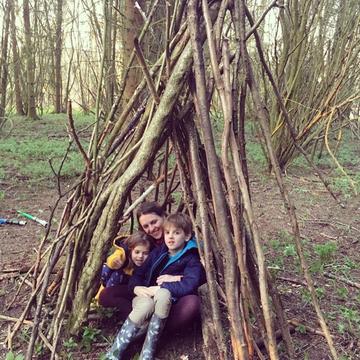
(149, 207)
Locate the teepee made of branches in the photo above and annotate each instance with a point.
(166, 127)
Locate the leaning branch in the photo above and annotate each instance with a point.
(74, 135)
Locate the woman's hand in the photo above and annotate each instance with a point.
(168, 278)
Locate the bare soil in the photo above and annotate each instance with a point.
(321, 221)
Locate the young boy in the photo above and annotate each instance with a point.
(154, 292)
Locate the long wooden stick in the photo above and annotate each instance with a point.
(262, 115)
(149, 80)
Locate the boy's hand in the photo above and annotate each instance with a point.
(168, 278)
(142, 291)
(146, 291)
(152, 290)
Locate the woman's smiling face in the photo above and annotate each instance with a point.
(152, 224)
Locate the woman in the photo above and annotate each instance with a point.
(151, 216)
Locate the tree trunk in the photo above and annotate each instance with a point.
(109, 79)
(132, 22)
(4, 61)
(30, 63)
(16, 63)
(58, 52)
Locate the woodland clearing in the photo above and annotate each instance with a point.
(330, 234)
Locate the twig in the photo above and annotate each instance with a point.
(27, 282)
(340, 278)
(261, 18)
(142, 197)
(30, 323)
(74, 135)
(23, 269)
(14, 319)
(307, 327)
(146, 72)
(9, 275)
(291, 280)
(336, 161)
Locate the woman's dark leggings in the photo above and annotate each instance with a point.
(184, 312)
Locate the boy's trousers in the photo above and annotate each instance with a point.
(144, 307)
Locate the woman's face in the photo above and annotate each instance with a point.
(152, 224)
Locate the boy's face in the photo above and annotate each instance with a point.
(139, 254)
(175, 238)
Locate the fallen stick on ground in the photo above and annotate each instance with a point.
(308, 328)
(293, 281)
(9, 275)
(293, 325)
(14, 319)
(30, 323)
(23, 269)
(340, 278)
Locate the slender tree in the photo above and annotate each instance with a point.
(130, 29)
(16, 64)
(58, 56)
(30, 63)
(4, 66)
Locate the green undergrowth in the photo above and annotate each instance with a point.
(347, 155)
(30, 145)
(340, 298)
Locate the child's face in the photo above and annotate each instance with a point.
(175, 238)
(139, 254)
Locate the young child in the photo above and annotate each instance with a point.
(154, 292)
(129, 254)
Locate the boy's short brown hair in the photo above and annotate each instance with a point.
(181, 221)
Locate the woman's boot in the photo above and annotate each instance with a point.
(156, 326)
(126, 334)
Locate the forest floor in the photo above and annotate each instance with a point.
(330, 235)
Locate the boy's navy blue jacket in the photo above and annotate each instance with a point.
(186, 263)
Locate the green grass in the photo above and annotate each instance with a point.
(32, 143)
(326, 251)
(347, 155)
(343, 314)
(342, 184)
(255, 154)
